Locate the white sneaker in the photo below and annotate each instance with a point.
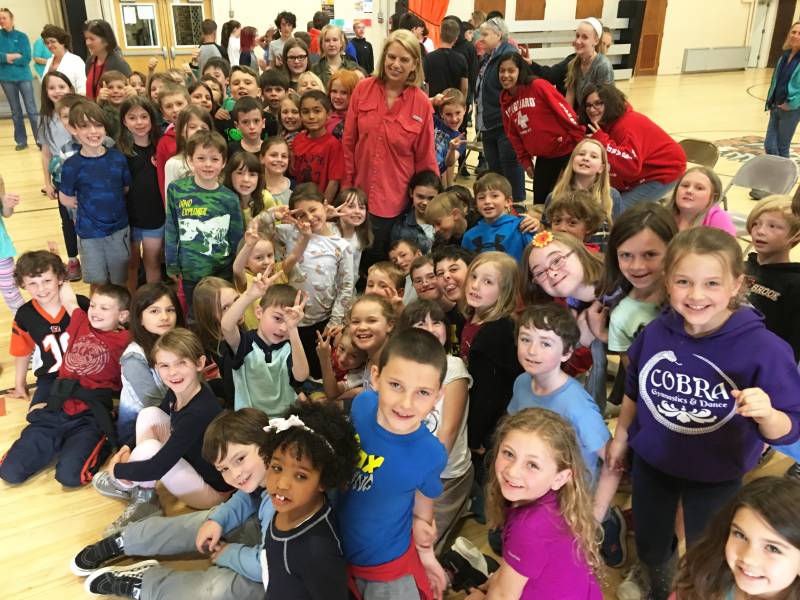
(471, 554)
(635, 586)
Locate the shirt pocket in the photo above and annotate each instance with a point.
(407, 132)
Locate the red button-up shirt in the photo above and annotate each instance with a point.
(384, 147)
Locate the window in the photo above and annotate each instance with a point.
(139, 22)
(187, 20)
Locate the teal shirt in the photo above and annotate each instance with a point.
(793, 99)
(203, 228)
(40, 51)
(7, 249)
(15, 42)
(262, 375)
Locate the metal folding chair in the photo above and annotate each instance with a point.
(700, 152)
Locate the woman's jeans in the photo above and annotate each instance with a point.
(649, 191)
(13, 91)
(780, 131)
(502, 159)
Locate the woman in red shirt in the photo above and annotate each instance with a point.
(105, 54)
(388, 137)
(645, 162)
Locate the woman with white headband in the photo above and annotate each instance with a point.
(589, 65)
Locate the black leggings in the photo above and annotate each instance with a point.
(68, 231)
(655, 504)
(308, 337)
(546, 172)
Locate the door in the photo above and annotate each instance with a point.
(489, 5)
(650, 41)
(783, 22)
(165, 29)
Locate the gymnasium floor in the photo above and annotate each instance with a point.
(42, 525)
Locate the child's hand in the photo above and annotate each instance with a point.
(130, 91)
(597, 319)
(218, 550)
(333, 331)
(434, 571)
(280, 213)
(436, 100)
(616, 453)
(103, 94)
(594, 126)
(457, 142)
(587, 337)
(11, 201)
(262, 282)
(222, 115)
(52, 248)
(294, 314)
(187, 68)
(69, 201)
(251, 237)
(395, 298)
(152, 64)
(122, 456)
(529, 172)
(478, 593)
(423, 533)
(529, 224)
(304, 227)
(208, 537)
(324, 347)
(753, 403)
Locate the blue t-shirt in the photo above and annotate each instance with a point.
(573, 403)
(442, 135)
(376, 510)
(99, 183)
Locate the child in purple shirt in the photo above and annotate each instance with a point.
(539, 493)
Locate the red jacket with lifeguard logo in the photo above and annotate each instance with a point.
(539, 121)
(640, 151)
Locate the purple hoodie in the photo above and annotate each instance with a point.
(686, 423)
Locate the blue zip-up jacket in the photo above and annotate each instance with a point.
(793, 89)
(233, 513)
(503, 236)
(489, 88)
(12, 42)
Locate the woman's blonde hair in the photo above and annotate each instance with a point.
(708, 241)
(786, 44)
(442, 205)
(409, 42)
(716, 193)
(575, 64)
(778, 204)
(592, 263)
(600, 188)
(574, 497)
(507, 300)
(327, 29)
(206, 306)
(182, 343)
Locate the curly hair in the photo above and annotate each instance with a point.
(329, 442)
(574, 497)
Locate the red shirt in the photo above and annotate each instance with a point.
(539, 121)
(319, 159)
(92, 358)
(640, 151)
(468, 333)
(384, 147)
(166, 149)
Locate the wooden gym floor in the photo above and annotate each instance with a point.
(42, 525)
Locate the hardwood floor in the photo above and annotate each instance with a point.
(42, 525)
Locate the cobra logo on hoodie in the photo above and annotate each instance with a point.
(691, 396)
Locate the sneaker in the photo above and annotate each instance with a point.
(74, 272)
(144, 503)
(614, 549)
(466, 566)
(94, 556)
(793, 472)
(635, 586)
(20, 147)
(119, 581)
(105, 485)
(758, 194)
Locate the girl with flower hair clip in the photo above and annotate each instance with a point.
(311, 449)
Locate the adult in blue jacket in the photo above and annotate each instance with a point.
(497, 148)
(16, 78)
(783, 99)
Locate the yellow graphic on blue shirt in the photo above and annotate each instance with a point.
(365, 470)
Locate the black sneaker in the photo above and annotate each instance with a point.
(96, 555)
(614, 547)
(793, 472)
(463, 576)
(119, 581)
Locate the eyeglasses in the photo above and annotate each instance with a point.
(598, 104)
(297, 58)
(553, 266)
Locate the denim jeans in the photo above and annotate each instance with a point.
(780, 131)
(649, 191)
(502, 159)
(13, 90)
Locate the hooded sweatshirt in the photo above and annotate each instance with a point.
(640, 151)
(166, 149)
(539, 121)
(686, 423)
(775, 291)
(503, 236)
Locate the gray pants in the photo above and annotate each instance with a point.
(404, 588)
(163, 536)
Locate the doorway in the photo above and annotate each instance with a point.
(783, 22)
(165, 29)
(647, 60)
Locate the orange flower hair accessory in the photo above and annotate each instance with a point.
(542, 239)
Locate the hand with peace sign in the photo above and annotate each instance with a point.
(294, 314)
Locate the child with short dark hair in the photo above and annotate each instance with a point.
(402, 253)
(386, 279)
(234, 443)
(450, 264)
(449, 141)
(413, 226)
(317, 155)
(274, 86)
(398, 477)
(113, 91)
(575, 212)
(204, 220)
(191, 120)
(73, 420)
(248, 117)
(269, 362)
(450, 218)
(497, 230)
(94, 181)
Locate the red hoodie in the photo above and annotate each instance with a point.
(640, 151)
(313, 47)
(165, 150)
(539, 121)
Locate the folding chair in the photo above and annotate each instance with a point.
(773, 174)
(700, 152)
